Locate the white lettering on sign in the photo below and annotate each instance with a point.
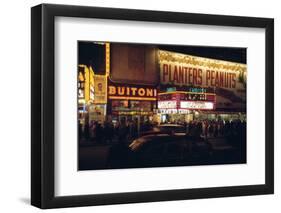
(173, 111)
(168, 111)
(196, 105)
(167, 104)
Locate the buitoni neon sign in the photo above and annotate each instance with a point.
(132, 92)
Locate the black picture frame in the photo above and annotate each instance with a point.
(43, 102)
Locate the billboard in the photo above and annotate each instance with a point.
(227, 79)
(100, 89)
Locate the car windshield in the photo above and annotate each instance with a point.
(138, 143)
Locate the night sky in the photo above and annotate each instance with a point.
(93, 54)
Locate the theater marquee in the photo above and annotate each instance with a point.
(200, 105)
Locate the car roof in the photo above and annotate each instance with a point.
(170, 125)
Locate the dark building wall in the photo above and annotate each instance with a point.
(134, 63)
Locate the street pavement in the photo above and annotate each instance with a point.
(95, 156)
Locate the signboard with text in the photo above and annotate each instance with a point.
(200, 105)
(227, 79)
(131, 92)
(167, 104)
(100, 89)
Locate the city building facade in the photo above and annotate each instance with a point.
(145, 83)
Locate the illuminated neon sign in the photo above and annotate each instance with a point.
(197, 105)
(167, 104)
(137, 92)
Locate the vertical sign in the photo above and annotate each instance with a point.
(100, 89)
(107, 59)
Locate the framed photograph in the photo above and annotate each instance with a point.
(139, 106)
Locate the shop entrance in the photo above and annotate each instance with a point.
(176, 118)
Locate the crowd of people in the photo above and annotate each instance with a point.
(108, 132)
(212, 128)
(124, 131)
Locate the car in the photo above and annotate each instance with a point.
(164, 145)
(165, 128)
